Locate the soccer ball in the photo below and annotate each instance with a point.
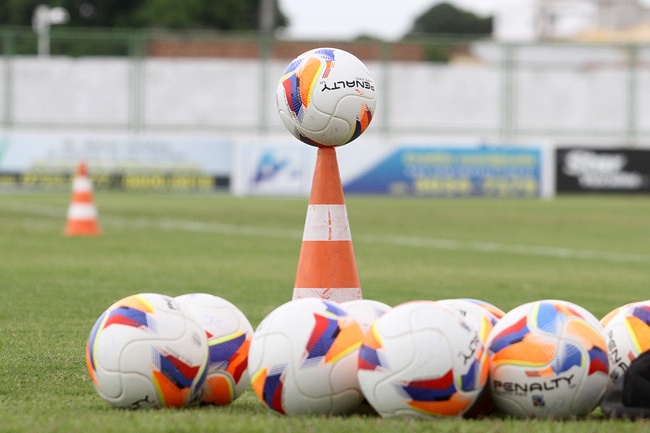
(229, 335)
(547, 359)
(422, 359)
(145, 351)
(365, 311)
(627, 333)
(483, 316)
(495, 313)
(303, 359)
(326, 97)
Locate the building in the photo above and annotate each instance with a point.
(532, 20)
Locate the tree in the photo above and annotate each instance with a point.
(17, 12)
(201, 14)
(172, 14)
(445, 19)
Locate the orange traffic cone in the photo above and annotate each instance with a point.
(326, 267)
(82, 213)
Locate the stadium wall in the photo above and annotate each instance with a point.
(494, 93)
(182, 122)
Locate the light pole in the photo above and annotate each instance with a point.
(42, 19)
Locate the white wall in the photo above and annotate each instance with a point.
(552, 93)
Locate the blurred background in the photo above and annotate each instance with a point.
(498, 98)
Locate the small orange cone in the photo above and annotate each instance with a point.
(326, 267)
(82, 213)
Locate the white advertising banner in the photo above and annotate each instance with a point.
(272, 168)
(24, 153)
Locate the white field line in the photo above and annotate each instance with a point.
(401, 241)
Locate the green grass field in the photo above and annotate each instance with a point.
(591, 250)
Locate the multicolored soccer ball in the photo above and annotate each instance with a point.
(229, 335)
(495, 313)
(422, 359)
(365, 311)
(483, 316)
(303, 359)
(326, 97)
(145, 351)
(547, 359)
(627, 334)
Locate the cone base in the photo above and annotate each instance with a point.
(336, 295)
(82, 228)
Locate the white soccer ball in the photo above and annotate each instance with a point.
(547, 359)
(303, 359)
(365, 311)
(229, 335)
(480, 314)
(145, 351)
(483, 316)
(422, 359)
(326, 97)
(627, 334)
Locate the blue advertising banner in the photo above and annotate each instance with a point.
(454, 172)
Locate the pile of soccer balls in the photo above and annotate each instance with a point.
(461, 357)
(151, 350)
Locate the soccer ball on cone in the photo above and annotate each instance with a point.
(326, 97)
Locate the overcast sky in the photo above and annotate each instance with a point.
(385, 19)
(343, 19)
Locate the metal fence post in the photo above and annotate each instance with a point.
(265, 44)
(8, 48)
(632, 97)
(383, 104)
(508, 103)
(136, 82)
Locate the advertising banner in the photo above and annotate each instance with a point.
(581, 169)
(454, 172)
(276, 168)
(376, 167)
(141, 162)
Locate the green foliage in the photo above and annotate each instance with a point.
(443, 30)
(199, 14)
(188, 14)
(165, 13)
(435, 51)
(445, 19)
(506, 252)
(17, 12)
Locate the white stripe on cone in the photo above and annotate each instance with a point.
(327, 222)
(82, 184)
(82, 211)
